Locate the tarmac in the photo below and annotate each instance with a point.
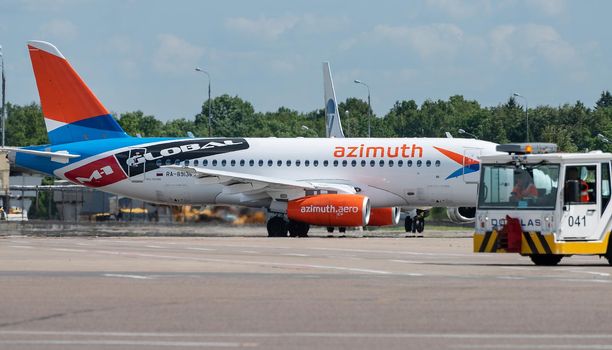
(292, 293)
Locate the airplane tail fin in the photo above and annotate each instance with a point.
(333, 126)
(72, 111)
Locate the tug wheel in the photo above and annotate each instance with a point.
(546, 259)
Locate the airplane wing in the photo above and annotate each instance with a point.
(57, 156)
(236, 182)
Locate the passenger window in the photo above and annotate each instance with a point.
(288, 163)
(335, 163)
(344, 163)
(158, 162)
(233, 162)
(168, 161)
(223, 162)
(325, 163)
(363, 163)
(279, 163)
(381, 163)
(428, 163)
(306, 163)
(196, 162)
(214, 162)
(372, 163)
(400, 163)
(390, 163)
(261, 162)
(177, 162)
(270, 162)
(205, 162)
(187, 163)
(437, 163)
(419, 163)
(315, 163)
(251, 162)
(242, 162)
(354, 163)
(409, 163)
(297, 163)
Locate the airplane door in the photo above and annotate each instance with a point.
(580, 217)
(136, 164)
(471, 165)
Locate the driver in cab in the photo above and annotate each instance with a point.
(573, 175)
(524, 188)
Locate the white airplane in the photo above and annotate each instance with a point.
(332, 182)
(414, 217)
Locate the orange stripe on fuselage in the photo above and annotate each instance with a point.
(457, 157)
(63, 94)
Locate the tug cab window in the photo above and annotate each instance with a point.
(580, 186)
(605, 186)
(527, 186)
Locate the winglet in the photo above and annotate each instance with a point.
(46, 47)
(333, 126)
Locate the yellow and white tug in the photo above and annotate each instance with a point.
(543, 204)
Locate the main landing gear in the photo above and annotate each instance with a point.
(279, 227)
(330, 229)
(416, 223)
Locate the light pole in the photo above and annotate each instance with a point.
(603, 138)
(461, 131)
(308, 131)
(357, 81)
(198, 69)
(348, 122)
(516, 94)
(3, 116)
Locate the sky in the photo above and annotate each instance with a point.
(141, 55)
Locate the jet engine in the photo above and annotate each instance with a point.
(384, 216)
(461, 214)
(340, 210)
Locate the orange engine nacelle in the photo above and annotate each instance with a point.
(330, 210)
(384, 216)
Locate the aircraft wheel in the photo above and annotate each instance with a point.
(608, 254)
(546, 259)
(419, 225)
(408, 224)
(298, 229)
(277, 227)
(330, 229)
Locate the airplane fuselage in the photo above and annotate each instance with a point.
(391, 172)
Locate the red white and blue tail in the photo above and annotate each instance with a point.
(72, 112)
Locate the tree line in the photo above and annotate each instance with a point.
(574, 127)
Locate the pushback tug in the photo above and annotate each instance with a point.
(543, 204)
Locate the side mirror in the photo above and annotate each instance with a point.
(571, 193)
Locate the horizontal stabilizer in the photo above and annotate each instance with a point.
(56, 156)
